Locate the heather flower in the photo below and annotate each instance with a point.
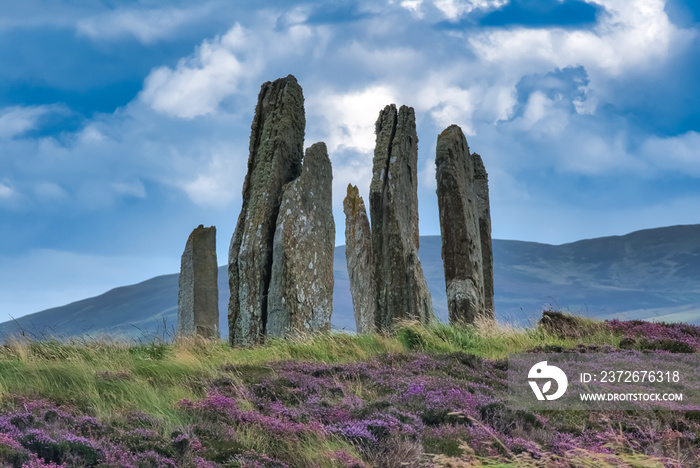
(347, 460)
(155, 460)
(89, 426)
(518, 445)
(354, 431)
(37, 462)
(657, 331)
(8, 441)
(252, 459)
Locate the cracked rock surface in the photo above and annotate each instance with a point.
(300, 297)
(401, 289)
(276, 152)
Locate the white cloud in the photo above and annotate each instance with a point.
(451, 9)
(16, 120)
(199, 83)
(226, 66)
(213, 188)
(147, 26)
(679, 153)
(448, 105)
(454, 9)
(414, 6)
(350, 116)
(6, 190)
(351, 168)
(592, 154)
(629, 36)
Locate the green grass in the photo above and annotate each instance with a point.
(107, 378)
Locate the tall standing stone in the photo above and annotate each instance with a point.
(458, 205)
(358, 254)
(198, 295)
(402, 292)
(276, 151)
(481, 186)
(300, 298)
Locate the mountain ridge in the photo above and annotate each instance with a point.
(647, 274)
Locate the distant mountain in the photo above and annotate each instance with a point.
(650, 274)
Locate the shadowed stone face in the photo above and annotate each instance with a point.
(481, 186)
(276, 151)
(198, 295)
(461, 180)
(401, 289)
(358, 254)
(301, 286)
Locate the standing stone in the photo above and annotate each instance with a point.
(276, 151)
(459, 224)
(481, 186)
(301, 287)
(198, 295)
(402, 292)
(358, 253)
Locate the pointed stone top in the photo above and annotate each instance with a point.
(201, 230)
(479, 168)
(289, 78)
(452, 129)
(353, 203)
(316, 154)
(454, 132)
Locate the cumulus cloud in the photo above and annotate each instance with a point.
(350, 116)
(629, 36)
(147, 26)
(450, 9)
(227, 65)
(200, 82)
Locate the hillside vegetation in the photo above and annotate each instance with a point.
(422, 396)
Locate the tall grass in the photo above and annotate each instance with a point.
(107, 377)
(189, 383)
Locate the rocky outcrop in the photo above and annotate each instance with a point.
(358, 254)
(460, 180)
(481, 187)
(276, 152)
(198, 295)
(300, 297)
(401, 289)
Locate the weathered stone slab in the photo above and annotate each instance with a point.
(301, 285)
(481, 187)
(358, 254)
(198, 295)
(402, 292)
(276, 151)
(459, 225)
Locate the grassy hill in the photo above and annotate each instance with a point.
(650, 274)
(420, 397)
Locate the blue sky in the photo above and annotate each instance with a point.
(125, 124)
